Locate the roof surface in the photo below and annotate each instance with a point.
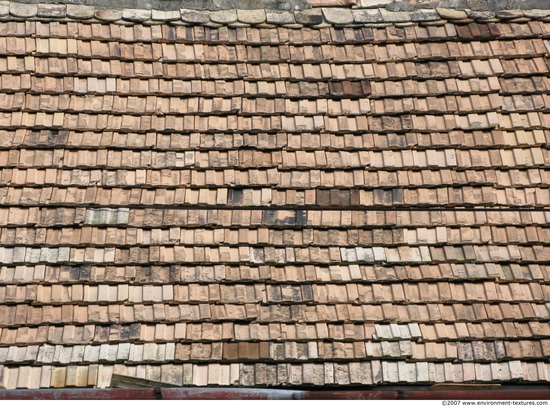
(330, 196)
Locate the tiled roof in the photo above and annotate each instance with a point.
(332, 196)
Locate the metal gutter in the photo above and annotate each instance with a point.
(271, 394)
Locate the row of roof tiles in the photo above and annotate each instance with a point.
(479, 181)
(286, 168)
(130, 353)
(22, 71)
(275, 255)
(248, 102)
(207, 332)
(162, 352)
(343, 99)
(477, 139)
(176, 33)
(254, 177)
(266, 106)
(185, 52)
(193, 217)
(158, 274)
(15, 31)
(133, 167)
(259, 123)
(192, 105)
(117, 236)
(310, 80)
(28, 315)
(261, 374)
(133, 79)
(407, 292)
(210, 332)
(502, 177)
(449, 196)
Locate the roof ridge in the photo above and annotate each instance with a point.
(391, 5)
(317, 17)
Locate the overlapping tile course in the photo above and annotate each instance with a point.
(330, 196)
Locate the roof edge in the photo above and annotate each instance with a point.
(404, 393)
